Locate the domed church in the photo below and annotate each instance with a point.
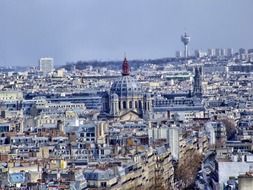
(126, 98)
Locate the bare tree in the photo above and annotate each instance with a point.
(187, 168)
(230, 127)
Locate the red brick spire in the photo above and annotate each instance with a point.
(125, 68)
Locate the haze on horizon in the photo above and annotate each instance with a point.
(72, 30)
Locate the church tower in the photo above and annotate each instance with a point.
(147, 103)
(114, 109)
(197, 82)
(147, 108)
(125, 68)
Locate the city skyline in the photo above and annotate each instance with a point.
(94, 30)
(126, 95)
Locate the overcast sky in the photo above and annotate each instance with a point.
(72, 30)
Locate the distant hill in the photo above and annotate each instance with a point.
(117, 64)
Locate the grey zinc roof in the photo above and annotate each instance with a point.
(179, 108)
(98, 174)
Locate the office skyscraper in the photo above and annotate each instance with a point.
(46, 65)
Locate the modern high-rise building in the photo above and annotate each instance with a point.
(211, 52)
(242, 51)
(250, 51)
(178, 54)
(46, 65)
(229, 52)
(223, 52)
(217, 52)
(199, 53)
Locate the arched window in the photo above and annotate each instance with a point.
(140, 105)
(124, 105)
(130, 104)
(136, 104)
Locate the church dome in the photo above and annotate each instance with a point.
(126, 86)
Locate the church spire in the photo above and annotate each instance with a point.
(125, 68)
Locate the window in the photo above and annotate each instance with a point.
(140, 106)
(136, 104)
(130, 104)
(124, 104)
(119, 105)
(103, 184)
